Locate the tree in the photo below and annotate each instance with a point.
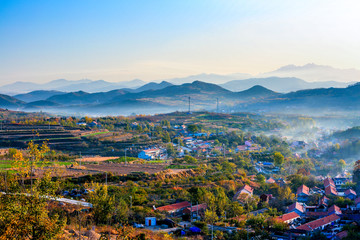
(342, 164)
(103, 203)
(278, 159)
(170, 149)
(260, 178)
(211, 218)
(24, 212)
(193, 128)
(166, 137)
(190, 159)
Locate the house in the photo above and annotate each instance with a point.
(245, 190)
(270, 180)
(303, 193)
(319, 224)
(331, 190)
(323, 202)
(334, 209)
(196, 210)
(328, 182)
(341, 179)
(340, 235)
(174, 209)
(351, 194)
(149, 154)
(288, 217)
(297, 207)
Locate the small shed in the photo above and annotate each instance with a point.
(150, 221)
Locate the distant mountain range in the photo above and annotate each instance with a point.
(285, 79)
(280, 84)
(173, 97)
(64, 85)
(203, 96)
(316, 73)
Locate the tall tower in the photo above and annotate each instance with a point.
(217, 105)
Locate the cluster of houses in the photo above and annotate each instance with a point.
(306, 219)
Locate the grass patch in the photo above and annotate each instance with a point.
(94, 134)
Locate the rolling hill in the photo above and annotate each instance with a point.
(37, 95)
(10, 102)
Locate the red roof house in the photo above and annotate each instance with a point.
(200, 207)
(331, 190)
(288, 217)
(297, 207)
(319, 223)
(174, 208)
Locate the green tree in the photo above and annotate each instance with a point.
(24, 211)
(342, 164)
(278, 159)
(192, 128)
(103, 203)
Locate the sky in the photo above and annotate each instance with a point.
(120, 40)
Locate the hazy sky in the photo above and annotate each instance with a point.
(151, 39)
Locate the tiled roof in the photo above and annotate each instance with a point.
(328, 181)
(342, 234)
(270, 180)
(334, 209)
(330, 190)
(195, 208)
(247, 188)
(310, 226)
(175, 206)
(324, 200)
(297, 206)
(303, 189)
(288, 216)
(350, 191)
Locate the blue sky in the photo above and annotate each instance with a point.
(122, 40)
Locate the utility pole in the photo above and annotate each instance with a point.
(105, 178)
(130, 202)
(80, 158)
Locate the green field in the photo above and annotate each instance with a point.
(94, 134)
(6, 164)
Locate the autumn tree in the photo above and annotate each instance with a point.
(278, 159)
(24, 211)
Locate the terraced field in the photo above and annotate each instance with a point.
(57, 137)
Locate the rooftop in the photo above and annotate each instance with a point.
(175, 206)
(288, 216)
(310, 226)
